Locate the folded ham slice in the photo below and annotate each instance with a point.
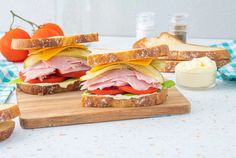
(62, 64)
(121, 77)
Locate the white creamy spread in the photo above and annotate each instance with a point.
(197, 73)
(120, 96)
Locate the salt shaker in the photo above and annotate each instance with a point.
(178, 26)
(145, 25)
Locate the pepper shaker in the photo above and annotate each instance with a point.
(178, 26)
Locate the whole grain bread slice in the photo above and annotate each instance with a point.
(102, 101)
(57, 41)
(108, 56)
(182, 51)
(169, 65)
(6, 129)
(8, 112)
(45, 89)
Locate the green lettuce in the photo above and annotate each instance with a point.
(15, 81)
(168, 84)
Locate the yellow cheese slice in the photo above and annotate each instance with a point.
(47, 54)
(81, 46)
(144, 62)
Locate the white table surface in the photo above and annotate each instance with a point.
(208, 131)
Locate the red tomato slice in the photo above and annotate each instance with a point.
(109, 91)
(48, 79)
(76, 74)
(129, 89)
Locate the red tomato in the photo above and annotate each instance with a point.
(109, 91)
(44, 33)
(5, 45)
(76, 74)
(54, 27)
(129, 89)
(48, 79)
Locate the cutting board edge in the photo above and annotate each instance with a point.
(36, 123)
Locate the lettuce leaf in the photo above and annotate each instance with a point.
(168, 84)
(15, 81)
(129, 94)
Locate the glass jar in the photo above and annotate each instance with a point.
(178, 26)
(145, 25)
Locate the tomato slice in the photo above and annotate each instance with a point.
(129, 89)
(109, 91)
(76, 74)
(48, 79)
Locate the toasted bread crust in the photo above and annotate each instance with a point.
(127, 55)
(169, 65)
(217, 54)
(6, 129)
(26, 44)
(102, 101)
(189, 55)
(8, 112)
(37, 89)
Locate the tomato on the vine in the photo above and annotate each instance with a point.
(48, 30)
(44, 33)
(5, 45)
(54, 27)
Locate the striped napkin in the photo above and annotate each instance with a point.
(8, 72)
(228, 72)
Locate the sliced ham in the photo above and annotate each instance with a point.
(68, 64)
(38, 73)
(62, 64)
(121, 77)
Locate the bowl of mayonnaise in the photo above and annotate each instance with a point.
(198, 73)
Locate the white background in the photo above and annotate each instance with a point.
(208, 18)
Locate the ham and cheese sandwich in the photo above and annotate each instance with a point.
(54, 64)
(124, 78)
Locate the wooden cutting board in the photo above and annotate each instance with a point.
(65, 109)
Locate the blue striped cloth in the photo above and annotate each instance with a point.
(8, 71)
(228, 72)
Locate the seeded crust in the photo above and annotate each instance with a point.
(166, 38)
(26, 44)
(6, 129)
(103, 101)
(40, 89)
(8, 112)
(169, 66)
(105, 57)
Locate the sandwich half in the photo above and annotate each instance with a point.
(124, 78)
(54, 64)
(179, 51)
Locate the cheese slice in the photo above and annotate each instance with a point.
(47, 54)
(81, 46)
(144, 62)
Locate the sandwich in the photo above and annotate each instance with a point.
(124, 78)
(54, 64)
(7, 125)
(179, 51)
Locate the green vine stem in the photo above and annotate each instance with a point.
(29, 22)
